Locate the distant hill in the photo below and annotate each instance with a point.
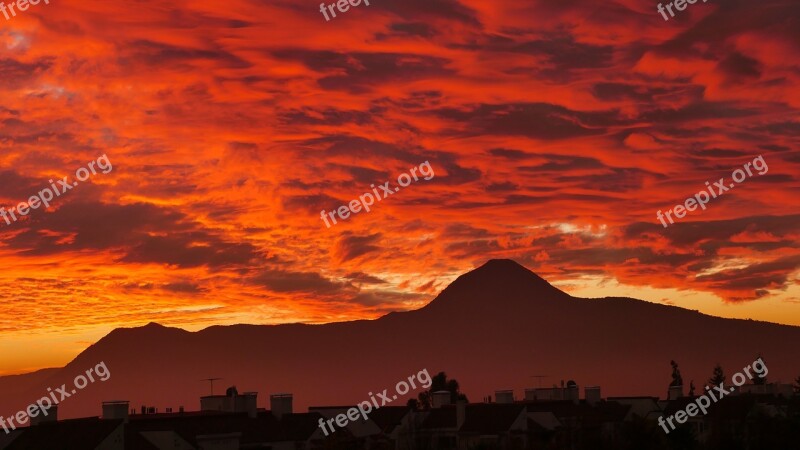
(491, 329)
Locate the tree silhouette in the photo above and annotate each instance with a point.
(759, 380)
(677, 379)
(719, 376)
(440, 383)
(797, 384)
(691, 388)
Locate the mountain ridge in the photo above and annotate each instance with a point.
(491, 328)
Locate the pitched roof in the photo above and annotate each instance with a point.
(65, 435)
(490, 418)
(299, 426)
(590, 415)
(135, 441)
(444, 417)
(677, 404)
(541, 421)
(263, 428)
(732, 408)
(388, 418)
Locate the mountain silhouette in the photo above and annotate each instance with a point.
(502, 282)
(492, 328)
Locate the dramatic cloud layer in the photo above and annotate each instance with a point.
(556, 130)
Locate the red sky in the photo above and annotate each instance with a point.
(556, 130)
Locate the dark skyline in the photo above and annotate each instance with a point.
(557, 131)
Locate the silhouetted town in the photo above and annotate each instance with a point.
(756, 416)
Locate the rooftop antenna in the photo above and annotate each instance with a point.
(540, 378)
(211, 380)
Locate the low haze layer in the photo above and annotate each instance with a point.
(555, 130)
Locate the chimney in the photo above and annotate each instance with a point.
(440, 398)
(45, 415)
(506, 396)
(248, 402)
(117, 409)
(573, 392)
(530, 394)
(461, 413)
(592, 395)
(280, 404)
(675, 392)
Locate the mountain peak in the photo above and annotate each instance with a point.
(498, 282)
(501, 264)
(501, 273)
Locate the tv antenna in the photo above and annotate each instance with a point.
(211, 380)
(540, 378)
